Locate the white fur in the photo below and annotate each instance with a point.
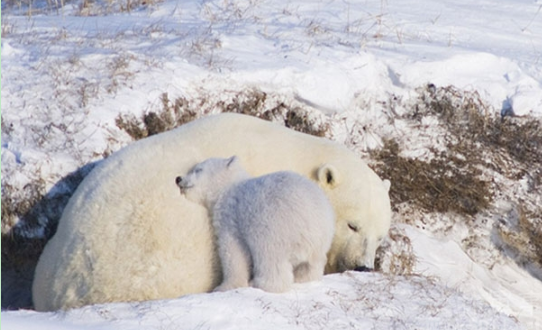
(275, 229)
(125, 236)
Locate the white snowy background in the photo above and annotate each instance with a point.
(69, 69)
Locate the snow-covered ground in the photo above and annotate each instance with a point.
(69, 72)
(345, 301)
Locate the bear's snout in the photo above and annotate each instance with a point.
(181, 183)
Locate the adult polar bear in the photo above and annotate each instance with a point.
(127, 235)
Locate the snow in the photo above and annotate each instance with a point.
(507, 288)
(344, 301)
(67, 74)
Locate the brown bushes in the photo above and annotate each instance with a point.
(250, 102)
(444, 184)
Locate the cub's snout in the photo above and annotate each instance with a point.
(178, 180)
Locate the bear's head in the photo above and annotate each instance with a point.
(363, 218)
(204, 183)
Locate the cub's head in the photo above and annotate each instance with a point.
(204, 183)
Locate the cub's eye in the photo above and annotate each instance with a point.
(197, 170)
(353, 227)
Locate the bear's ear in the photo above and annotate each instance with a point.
(328, 176)
(233, 159)
(387, 185)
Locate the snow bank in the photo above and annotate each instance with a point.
(346, 301)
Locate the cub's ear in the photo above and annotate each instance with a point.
(232, 160)
(387, 185)
(328, 176)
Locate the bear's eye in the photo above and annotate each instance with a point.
(353, 227)
(197, 170)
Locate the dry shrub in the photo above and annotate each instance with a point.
(480, 145)
(33, 210)
(395, 256)
(521, 236)
(16, 203)
(252, 102)
(478, 141)
(131, 125)
(172, 114)
(97, 8)
(444, 184)
(511, 146)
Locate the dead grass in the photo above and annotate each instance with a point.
(478, 142)
(521, 236)
(479, 146)
(173, 114)
(444, 184)
(395, 256)
(17, 203)
(252, 102)
(511, 146)
(86, 7)
(32, 208)
(7, 27)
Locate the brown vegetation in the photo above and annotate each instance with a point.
(478, 143)
(511, 146)
(250, 102)
(521, 236)
(395, 256)
(444, 184)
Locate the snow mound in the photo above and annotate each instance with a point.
(346, 301)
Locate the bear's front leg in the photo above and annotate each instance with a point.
(236, 262)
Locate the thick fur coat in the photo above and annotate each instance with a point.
(126, 236)
(271, 230)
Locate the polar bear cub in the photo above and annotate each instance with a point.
(271, 230)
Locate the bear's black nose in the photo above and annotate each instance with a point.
(178, 180)
(363, 269)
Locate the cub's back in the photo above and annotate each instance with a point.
(279, 197)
